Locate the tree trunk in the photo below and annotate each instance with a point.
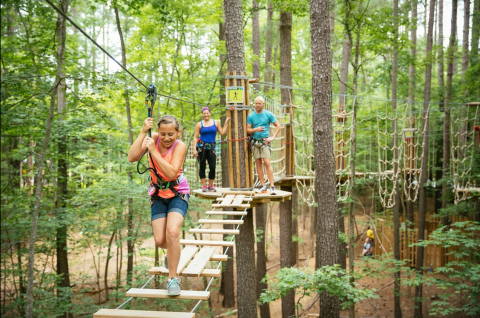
(260, 214)
(327, 227)
(130, 211)
(441, 78)
(36, 207)
(396, 174)
(286, 252)
(62, 192)
(474, 54)
(448, 95)
(422, 197)
(466, 29)
(227, 285)
(287, 257)
(268, 46)
(256, 42)
(246, 286)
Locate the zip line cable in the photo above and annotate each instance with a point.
(110, 56)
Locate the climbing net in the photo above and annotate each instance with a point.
(399, 149)
(463, 125)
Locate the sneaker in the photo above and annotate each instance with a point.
(212, 189)
(262, 189)
(204, 189)
(272, 191)
(165, 262)
(173, 286)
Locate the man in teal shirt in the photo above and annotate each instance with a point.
(258, 124)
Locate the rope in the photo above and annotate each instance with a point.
(110, 56)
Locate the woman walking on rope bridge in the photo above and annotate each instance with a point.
(204, 146)
(169, 191)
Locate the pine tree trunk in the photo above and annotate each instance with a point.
(466, 29)
(422, 197)
(448, 94)
(256, 42)
(268, 46)
(62, 192)
(260, 214)
(474, 57)
(130, 232)
(327, 227)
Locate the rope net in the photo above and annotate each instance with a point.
(463, 138)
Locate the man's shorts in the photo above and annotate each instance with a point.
(261, 153)
(372, 242)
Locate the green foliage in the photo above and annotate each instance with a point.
(459, 278)
(331, 280)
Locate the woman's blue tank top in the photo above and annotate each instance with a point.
(208, 134)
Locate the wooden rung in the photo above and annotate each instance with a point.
(219, 258)
(162, 293)
(215, 231)
(238, 192)
(242, 206)
(187, 254)
(197, 265)
(244, 199)
(227, 200)
(106, 313)
(226, 213)
(207, 272)
(223, 221)
(206, 243)
(238, 200)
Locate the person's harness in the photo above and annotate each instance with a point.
(205, 145)
(163, 185)
(257, 142)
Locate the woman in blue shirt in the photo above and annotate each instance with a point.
(204, 146)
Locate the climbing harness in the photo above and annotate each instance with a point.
(258, 142)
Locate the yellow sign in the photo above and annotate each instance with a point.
(235, 94)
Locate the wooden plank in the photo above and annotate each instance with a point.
(227, 200)
(237, 151)
(187, 254)
(219, 258)
(162, 293)
(207, 272)
(222, 221)
(246, 192)
(230, 152)
(244, 199)
(206, 243)
(238, 200)
(241, 206)
(226, 212)
(197, 265)
(215, 231)
(106, 313)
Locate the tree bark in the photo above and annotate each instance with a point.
(396, 207)
(260, 214)
(268, 46)
(474, 54)
(422, 197)
(36, 206)
(466, 29)
(130, 210)
(227, 285)
(448, 95)
(327, 227)
(62, 192)
(286, 251)
(256, 42)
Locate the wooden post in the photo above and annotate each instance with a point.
(239, 155)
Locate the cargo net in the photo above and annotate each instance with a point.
(399, 149)
(464, 135)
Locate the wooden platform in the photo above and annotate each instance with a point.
(257, 198)
(162, 293)
(107, 313)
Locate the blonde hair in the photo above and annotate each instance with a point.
(169, 119)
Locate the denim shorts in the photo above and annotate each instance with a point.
(161, 207)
